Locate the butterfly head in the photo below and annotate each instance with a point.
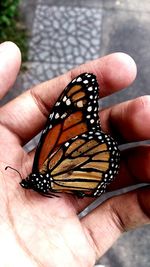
(36, 182)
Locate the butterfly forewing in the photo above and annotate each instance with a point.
(75, 112)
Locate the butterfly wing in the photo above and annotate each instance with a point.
(73, 154)
(75, 113)
(84, 165)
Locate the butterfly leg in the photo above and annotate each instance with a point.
(79, 194)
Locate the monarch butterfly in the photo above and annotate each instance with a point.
(73, 154)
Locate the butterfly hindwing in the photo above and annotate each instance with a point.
(84, 165)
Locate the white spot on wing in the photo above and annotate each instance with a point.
(89, 108)
(67, 144)
(58, 103)
(63, 115)
(80, 104)
(57, 116)
(68, 102)
(86, 81)
(79, 79)
(64, 99)
(92, 121)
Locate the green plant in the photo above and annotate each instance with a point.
(11, 27)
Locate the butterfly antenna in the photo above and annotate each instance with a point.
(9, 167)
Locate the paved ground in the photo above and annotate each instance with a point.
(64, 34)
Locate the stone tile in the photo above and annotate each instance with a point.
(65, 34)
(128, 32)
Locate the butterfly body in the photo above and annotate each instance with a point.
(74, 155)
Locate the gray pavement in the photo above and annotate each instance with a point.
(66, 33)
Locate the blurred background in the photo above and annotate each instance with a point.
(55, 36)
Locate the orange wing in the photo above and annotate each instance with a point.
(84, 165)
(75, 113)
(73, 154)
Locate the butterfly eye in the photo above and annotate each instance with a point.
(25, 183)
(74, 155)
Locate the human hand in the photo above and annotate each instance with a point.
(39, 231)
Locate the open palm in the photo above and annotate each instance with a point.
(39, 231)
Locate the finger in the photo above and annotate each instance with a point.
(113, 72)
(10, 60)
(106, 223)
(134, 168)
(138, 163)
(131, 120)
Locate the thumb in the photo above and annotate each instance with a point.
(10, 60)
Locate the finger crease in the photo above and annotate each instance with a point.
(42, 106)
(117, 219)
(92, 240)
(10, 129)
(143, 208)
